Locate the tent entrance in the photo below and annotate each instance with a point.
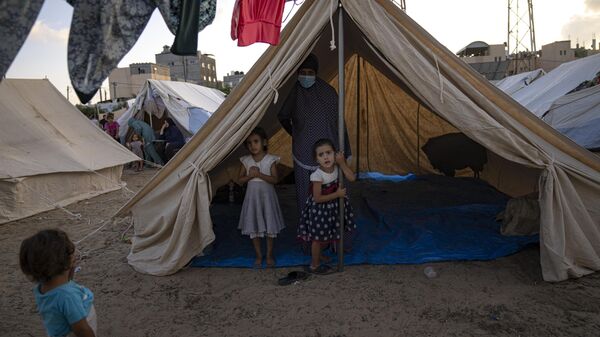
(416, 219)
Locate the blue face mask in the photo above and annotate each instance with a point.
(306, 81)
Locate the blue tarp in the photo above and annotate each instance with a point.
(400, 221)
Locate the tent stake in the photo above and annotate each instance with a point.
(341, 97)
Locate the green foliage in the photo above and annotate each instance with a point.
(88, 111)
(225, 90)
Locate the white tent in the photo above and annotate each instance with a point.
(189, 105)
(514, 83)
(577, 115)
(50, 153)
(539, 96)
(401, 88)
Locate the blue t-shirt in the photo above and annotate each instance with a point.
(63, 306)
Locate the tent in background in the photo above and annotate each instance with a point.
(514, 83)
(539, 96)
(402, 87)
(577, 115)
(189, 105)
(50, 153)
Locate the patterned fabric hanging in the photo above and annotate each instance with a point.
(93, 53)
(16, 19)
(102, 32)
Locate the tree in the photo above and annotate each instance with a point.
(88, 111)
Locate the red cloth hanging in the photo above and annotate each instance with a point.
(257, 21)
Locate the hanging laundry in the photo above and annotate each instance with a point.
(16, 19)
(102, 32)
(257, 21)
(194, 16)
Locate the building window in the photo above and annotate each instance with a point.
(203, 65)
(204, 78)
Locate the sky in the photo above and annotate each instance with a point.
(454, 23)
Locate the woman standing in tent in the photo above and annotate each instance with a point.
(310, 113)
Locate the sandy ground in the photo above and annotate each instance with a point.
(506, 297)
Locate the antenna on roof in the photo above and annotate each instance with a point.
(401, 4)
(521, 45)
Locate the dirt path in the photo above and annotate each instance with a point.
(506, 297)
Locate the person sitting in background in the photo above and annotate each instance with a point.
(173, 138)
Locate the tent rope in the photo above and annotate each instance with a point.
(103, 223)
(440, 78)
(332, 42)
(272, 85)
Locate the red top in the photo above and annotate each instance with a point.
(257, 21)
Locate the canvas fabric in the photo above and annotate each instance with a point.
(408, 91)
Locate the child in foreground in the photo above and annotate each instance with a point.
(261, 215)
(319, 221)
(67, 308)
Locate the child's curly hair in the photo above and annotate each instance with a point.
(46, 254)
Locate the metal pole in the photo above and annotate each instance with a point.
(341, 143)
(357, 114)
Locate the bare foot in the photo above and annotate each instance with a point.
(258, 263)
(270, 262)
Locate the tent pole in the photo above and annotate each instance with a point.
(357, 114)
(418, 139)
(341, 97)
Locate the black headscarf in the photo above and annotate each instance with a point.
(311, 62)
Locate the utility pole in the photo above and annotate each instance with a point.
(68, 93)
(520, 45)
(114, 93)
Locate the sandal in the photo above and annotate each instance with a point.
(292, 277)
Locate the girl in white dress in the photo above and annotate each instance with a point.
(261, 215)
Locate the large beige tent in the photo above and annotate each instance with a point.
(402, 87)
(51, 155)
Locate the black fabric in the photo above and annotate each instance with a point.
(311, 62)
(186, 39)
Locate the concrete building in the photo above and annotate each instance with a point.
(559, 52)
(489, 60)
(200, 68)
(208, 70)
(232, 79)
(126, 82)
(556, 53)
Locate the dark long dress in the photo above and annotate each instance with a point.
(309, 115)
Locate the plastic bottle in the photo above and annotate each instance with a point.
(430, 272)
